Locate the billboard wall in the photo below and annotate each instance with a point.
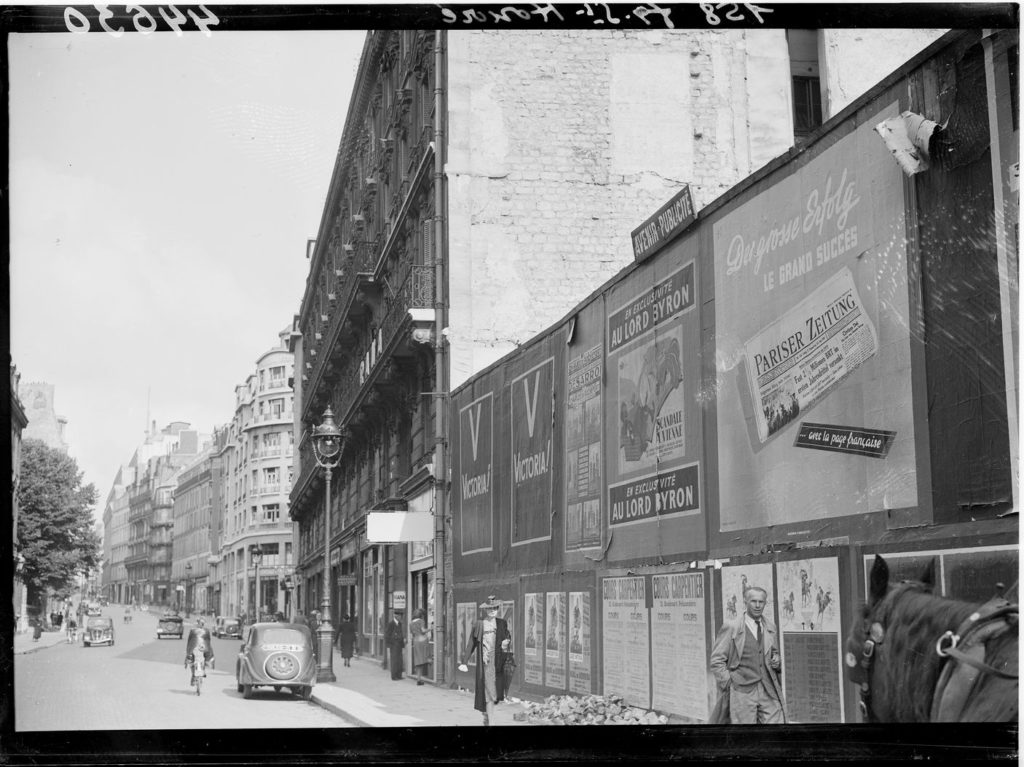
(812, 340)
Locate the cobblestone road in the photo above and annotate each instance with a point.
(141, 683)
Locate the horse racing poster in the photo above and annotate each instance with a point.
(736, 579)
(811, 639)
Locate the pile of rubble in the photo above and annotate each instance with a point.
(586, 709)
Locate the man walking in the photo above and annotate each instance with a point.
(394, 638)
(746, 664)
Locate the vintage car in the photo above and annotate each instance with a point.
(170, 625)
(227, 627)
(277, 655)
(98, 631)
(93, 610)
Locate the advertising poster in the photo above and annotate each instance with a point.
(811, 324)
(583, 483)
(736, 579)
(678, 645)
(532, 396)
(555, 650)
(465, 615)
(651, 423)
(476, 460)
(579, 642)
(626, 639)
(811, 639)
(533, 639)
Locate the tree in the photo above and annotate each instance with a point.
(56, 536)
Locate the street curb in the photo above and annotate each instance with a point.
(338, 711)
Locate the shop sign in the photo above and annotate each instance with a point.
(346, 580)
(671, 219)
(398, 600)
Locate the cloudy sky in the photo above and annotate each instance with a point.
(162, 192)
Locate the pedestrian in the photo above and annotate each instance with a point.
(420, 644)
(394, 638)
(37, 628)
(490, 640)
(347, 638)
(279, 617)
(745, 662)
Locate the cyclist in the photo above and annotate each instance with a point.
(198, 638)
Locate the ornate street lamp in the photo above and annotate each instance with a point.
(188, 589)
(257, 557)
(327, 445)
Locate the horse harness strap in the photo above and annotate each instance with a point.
(966, 648)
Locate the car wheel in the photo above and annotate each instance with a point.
(247, 691)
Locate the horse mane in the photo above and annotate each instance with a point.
(906, 664)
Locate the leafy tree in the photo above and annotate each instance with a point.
(56, 535)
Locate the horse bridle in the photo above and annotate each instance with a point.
(981, 622)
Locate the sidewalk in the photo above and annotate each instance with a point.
(23, 643)
(365, 695)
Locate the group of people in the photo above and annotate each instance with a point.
(394, 638)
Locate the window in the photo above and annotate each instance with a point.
(806, 81)
(277, 375)
(806, 105)
(277, 407)
(272, 512)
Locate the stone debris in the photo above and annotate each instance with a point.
(586, 709)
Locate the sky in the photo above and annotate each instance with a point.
(162, 190)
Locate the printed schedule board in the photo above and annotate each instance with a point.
(626, 639)
(679, 649)
(812, 318)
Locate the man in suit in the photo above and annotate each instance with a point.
(747, 666)
(394, 638)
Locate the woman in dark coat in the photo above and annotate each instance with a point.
(347, 638)
(490, 640)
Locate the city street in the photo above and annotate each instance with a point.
(141, 683)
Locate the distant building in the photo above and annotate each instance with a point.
(157, 463)
(195, 498)
(114, 583)
(19, 420)
(43, 422)
(255, 453)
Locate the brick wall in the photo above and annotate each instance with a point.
(562, 142)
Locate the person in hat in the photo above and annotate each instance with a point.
(490, 640)
(394, 638)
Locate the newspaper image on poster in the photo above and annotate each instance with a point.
(678, 645)
(809, 595)
(465, 615)
(579, 642)
(554, 666)
(533, 638)
(735, 581)
(806, 352)
(626, 639)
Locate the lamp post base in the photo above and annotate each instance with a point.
(325, 645)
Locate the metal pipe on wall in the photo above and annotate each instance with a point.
(440, 369)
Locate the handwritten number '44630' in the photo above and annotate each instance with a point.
(142, 20)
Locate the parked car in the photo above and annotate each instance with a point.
(276, 655)
(227, 627)
(98, 631)
(93, 610)
(170, 625)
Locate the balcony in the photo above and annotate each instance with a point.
(270, 488)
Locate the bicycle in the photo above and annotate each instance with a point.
(198, 669)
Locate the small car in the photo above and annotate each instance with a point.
(276, 655)
(227, 627)
(170, 625)
(93, 610)
(98, 631)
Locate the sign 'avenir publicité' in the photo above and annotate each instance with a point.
(671, 219)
